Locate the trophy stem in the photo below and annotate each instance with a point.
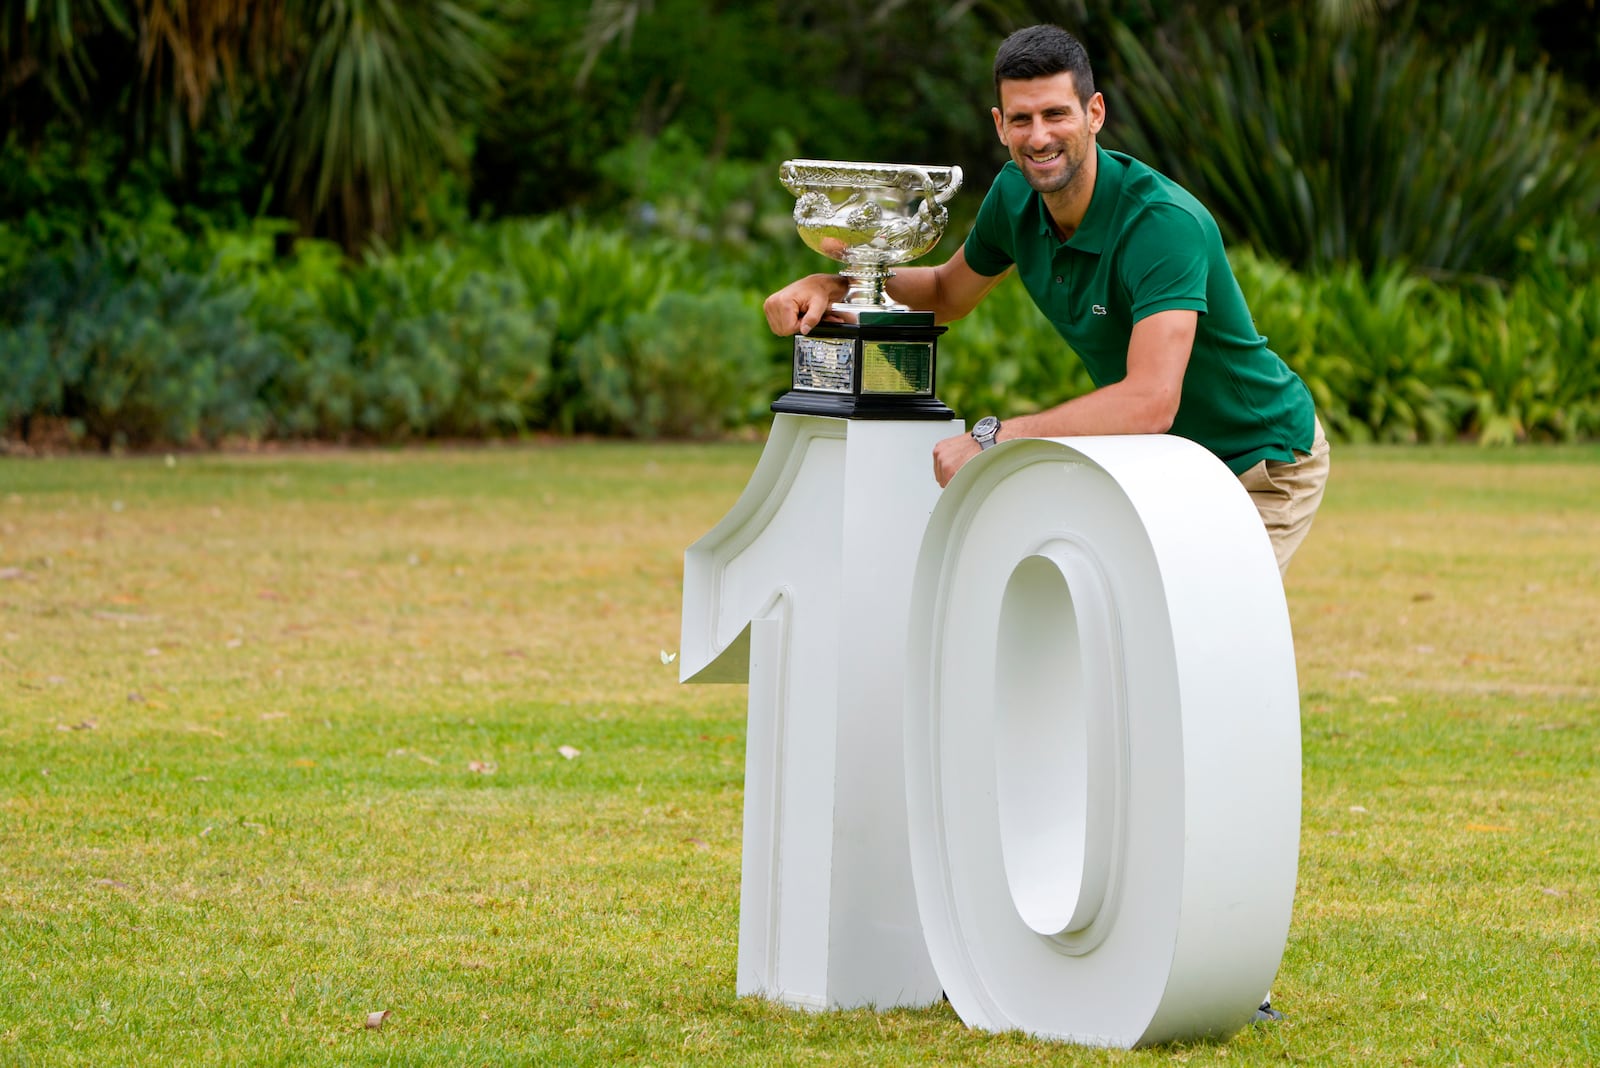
(867, 290)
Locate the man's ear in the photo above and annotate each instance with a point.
(1097, 112)
(999, 124)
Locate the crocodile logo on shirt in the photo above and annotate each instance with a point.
(1099, 309)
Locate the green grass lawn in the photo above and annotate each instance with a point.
(281, 746)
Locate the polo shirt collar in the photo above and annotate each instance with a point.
(1090, 236)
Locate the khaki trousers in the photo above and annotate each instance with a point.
(1287, 495)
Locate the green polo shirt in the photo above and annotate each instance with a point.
(1145, 246)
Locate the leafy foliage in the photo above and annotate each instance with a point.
(1401, 358)
(134, 353)
(345, 115)
(558, 325)
(374, 109)
(690, 367)
(1361, 146)
(411, 345)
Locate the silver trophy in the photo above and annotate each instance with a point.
(869, 217)
(873, 358)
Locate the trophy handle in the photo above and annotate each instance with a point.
(950, 190)
(933, 198)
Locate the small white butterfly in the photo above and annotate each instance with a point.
(667, 658)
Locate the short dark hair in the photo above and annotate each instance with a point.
(1039, 52)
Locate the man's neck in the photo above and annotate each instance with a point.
(1068, 206)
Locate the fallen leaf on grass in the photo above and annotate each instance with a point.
(111, 883)
(375, 1019)
(85, 725)
(698, 843)
(9, 573)
(483, 767)
(1358, 808)
(569, 752)
(1487, 827)
(1551, 891)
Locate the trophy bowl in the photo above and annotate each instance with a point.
(870, 217)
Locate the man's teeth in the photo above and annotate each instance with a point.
(1044, 159)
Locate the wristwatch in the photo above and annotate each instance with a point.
(984, 431)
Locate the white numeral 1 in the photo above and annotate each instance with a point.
(803, 588)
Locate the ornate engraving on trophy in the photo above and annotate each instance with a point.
(870, 217)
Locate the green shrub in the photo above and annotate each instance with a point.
(693, 366)
(589, 277)
(1399, 357)
(1530, 363)
(135, 356)
(406, 345)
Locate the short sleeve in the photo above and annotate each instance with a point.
(1164, 262)
(988, 246)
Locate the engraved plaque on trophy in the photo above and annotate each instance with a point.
(873, 358)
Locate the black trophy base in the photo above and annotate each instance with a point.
(856, 406)
(881, 367)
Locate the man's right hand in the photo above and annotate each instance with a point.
(799, 306)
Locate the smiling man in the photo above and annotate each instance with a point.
(1130, 269)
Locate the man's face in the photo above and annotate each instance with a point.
(1047, 131)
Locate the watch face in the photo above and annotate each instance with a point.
(986, 427)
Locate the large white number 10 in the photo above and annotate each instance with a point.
(1033, 741)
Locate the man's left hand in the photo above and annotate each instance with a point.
(951, 454)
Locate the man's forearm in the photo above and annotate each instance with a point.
(918, 288)
(1120, 408)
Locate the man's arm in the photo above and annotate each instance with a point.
(950, 291)
(1144, 402)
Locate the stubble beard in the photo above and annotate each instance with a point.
(1055, 183)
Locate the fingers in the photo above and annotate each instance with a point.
(798, 307)
(783, 313)
(950, 455)
(812, 314)
(790, 313)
